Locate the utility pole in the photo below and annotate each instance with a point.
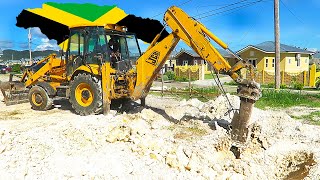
(277, 44)
(29, 40)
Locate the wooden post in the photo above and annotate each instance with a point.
(189, 73)
(312, 76)
(277, 44)
(305, 78)
(10, 77)
(162, 83)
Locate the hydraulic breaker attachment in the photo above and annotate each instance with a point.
(249, 92)
(14, 92)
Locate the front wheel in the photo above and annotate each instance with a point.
(39, 99)
(86, 95)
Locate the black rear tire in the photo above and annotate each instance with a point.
(39, 99)
(86, 94)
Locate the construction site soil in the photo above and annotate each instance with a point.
(168, 139)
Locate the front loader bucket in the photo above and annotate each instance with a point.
(14, 92)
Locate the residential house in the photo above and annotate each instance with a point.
(189, 57)
(171, 62)
(315, 58)
(262, 56)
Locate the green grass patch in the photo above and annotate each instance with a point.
(211, 89)
(232, 83)
(312, 118)
(208, 76)
(203, 94)
(286, 98)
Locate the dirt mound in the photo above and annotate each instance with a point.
(169, 138)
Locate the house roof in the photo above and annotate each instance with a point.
(223, 52)
(269, 47)
(190, 52)
(173, 54)
(316, 55)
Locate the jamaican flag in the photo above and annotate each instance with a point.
(55, 19)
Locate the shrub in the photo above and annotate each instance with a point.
(181, 79)
(283, 86)
(298, 86)
(270, 85)
(170, 74)
(165, 78)
(16, 68)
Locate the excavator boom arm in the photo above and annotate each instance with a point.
(197, 36)
(150, 63)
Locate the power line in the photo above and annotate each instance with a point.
(299, 19)
(232, 9)
(247, 32)
(223, 7)
(291, 12)
(184, 3)
(211, 5)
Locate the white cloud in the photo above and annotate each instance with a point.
(45, 40)
(6, 44)
(47, 44)
(36, 33)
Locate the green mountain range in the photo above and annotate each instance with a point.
(18, 55)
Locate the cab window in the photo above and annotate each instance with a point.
(96, 46)
(76, 44)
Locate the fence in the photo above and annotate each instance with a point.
(266, 77)
(314, 75)
(195, 72)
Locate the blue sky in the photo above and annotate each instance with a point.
(250, 25)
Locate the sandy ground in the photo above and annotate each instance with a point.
(168, 139)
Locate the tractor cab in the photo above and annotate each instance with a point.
(98, 44)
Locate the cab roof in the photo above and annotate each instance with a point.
(105, 26)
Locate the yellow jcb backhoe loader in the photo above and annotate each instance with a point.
(104, 63)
